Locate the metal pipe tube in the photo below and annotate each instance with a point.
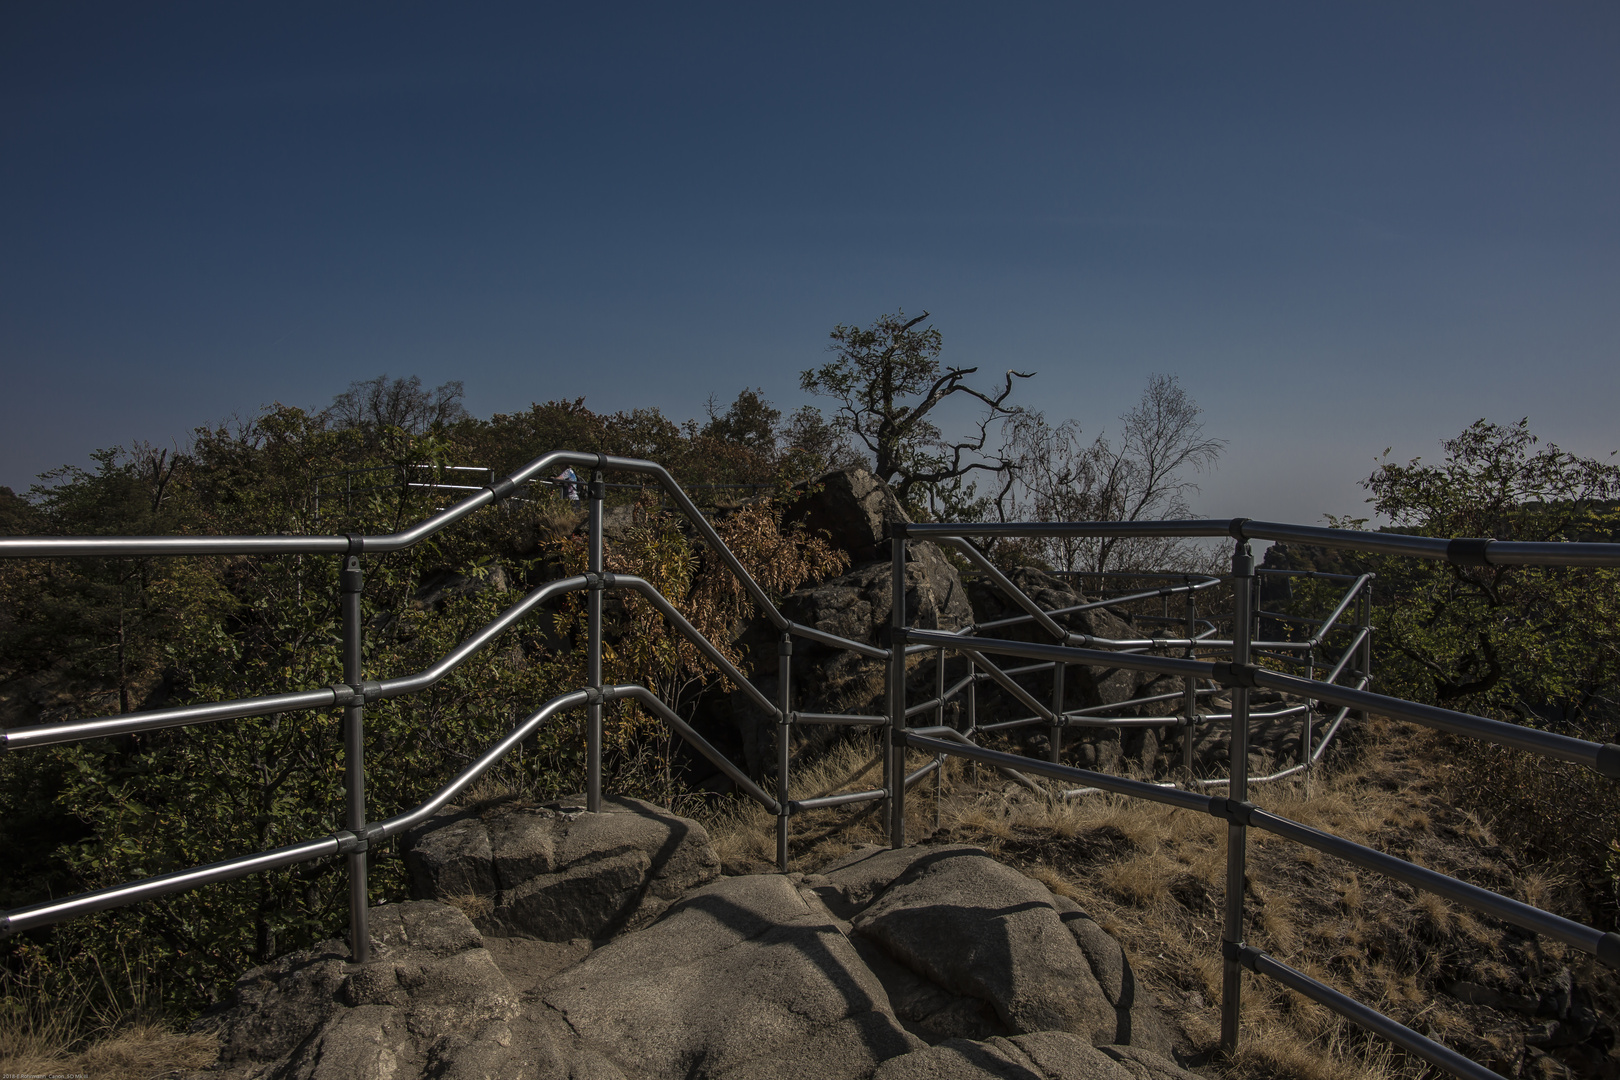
(955, 530)
(894, 748)
(1350, 595)
(810, 633)
(1472, 896)
(1001, 679)
(1119, 785)
(1058, 719)
(1310, 716)
(1365, 1016)
(408, 684)
(1027, 721)
(921, 771)
(593, 655)
(1164, 665)
(407, 819)
(1238, 768)
(1344, 659)
(1189, 701)
(56, 547)
(351, 583)
(924, 706)
(692, 634)
(1002, 582)
(854, 719)
(784, 729)
(25, 738)
(1112, 601)
(821, 802)
(54, 911)
(1603, 758)
(716, 758)
(1174, 695)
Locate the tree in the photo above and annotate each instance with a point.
(1525, 642)
(1142, 476)
(875, 371)
(380, 403)
(1538, 646)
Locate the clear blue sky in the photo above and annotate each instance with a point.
(1344, 227)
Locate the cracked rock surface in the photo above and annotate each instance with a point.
(933, 961)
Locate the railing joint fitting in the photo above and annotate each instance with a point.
(350, 844)
(357, 543)
(1236, 528)
(1608, 761)
(594, 695)
(1468, 551)
(596, 582)
(785, 646)
(1237, 811)
(1231, 675)
(501, 489)
(1608, 949)
(359, 694)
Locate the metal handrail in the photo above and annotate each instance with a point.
(1237, 676)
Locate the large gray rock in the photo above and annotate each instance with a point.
(981, 933)
(746, 977)
(852, 508)
(848, 974)
(555, 872)
(1043, 1055)
(430, 1003)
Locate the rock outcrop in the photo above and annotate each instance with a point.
(556, 873)
(855, 510)
(931, 961)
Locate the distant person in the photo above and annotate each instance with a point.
(570, 484)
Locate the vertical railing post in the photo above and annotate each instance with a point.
(593, 656)
(973, 698)
(1310, 720)
(894, 751)
(1058, 670)
(1237, 791)
(350, 583)
(1189, 701)
(1366, 642)
(784, 730)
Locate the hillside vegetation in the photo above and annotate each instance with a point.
(89, 637)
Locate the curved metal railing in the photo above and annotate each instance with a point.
(1239, 676)
(978, 643)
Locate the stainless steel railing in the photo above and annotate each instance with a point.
(1198, 643)
(356, 690)
(1239, 676)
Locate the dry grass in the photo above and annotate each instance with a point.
(1155, 877)
(97, 1023)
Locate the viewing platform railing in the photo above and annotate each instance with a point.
(1350, 620)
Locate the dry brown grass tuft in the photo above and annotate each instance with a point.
(137, 1052)
(99, 1023)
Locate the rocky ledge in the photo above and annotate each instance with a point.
(548, 943)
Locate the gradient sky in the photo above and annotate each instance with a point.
(1344, 228)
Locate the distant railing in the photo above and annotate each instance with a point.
(1200, 676)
